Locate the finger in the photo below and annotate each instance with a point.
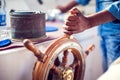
(68, 32)
(72, 18)
(67, 29)
(70, 28)
(75, 11)
(71, 23)
(71, 32)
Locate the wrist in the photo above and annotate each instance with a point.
(93, 21)
(90, 22)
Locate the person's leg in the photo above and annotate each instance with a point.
(104, 55)
(113, 48)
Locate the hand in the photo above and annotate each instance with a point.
(76, 22)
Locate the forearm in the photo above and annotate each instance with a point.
(100, 18)
(70, 5)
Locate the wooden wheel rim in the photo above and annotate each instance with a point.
(41, 70)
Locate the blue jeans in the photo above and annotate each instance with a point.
(110, 49)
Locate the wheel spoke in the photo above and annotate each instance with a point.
(74, 64)
(57, 62)
(65, 58)
(57, 70)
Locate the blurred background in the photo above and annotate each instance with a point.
(34, 5)
(93, 61)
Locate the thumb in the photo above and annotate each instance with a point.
(75, 11)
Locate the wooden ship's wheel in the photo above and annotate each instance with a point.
(55, 63)
(50, 65)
